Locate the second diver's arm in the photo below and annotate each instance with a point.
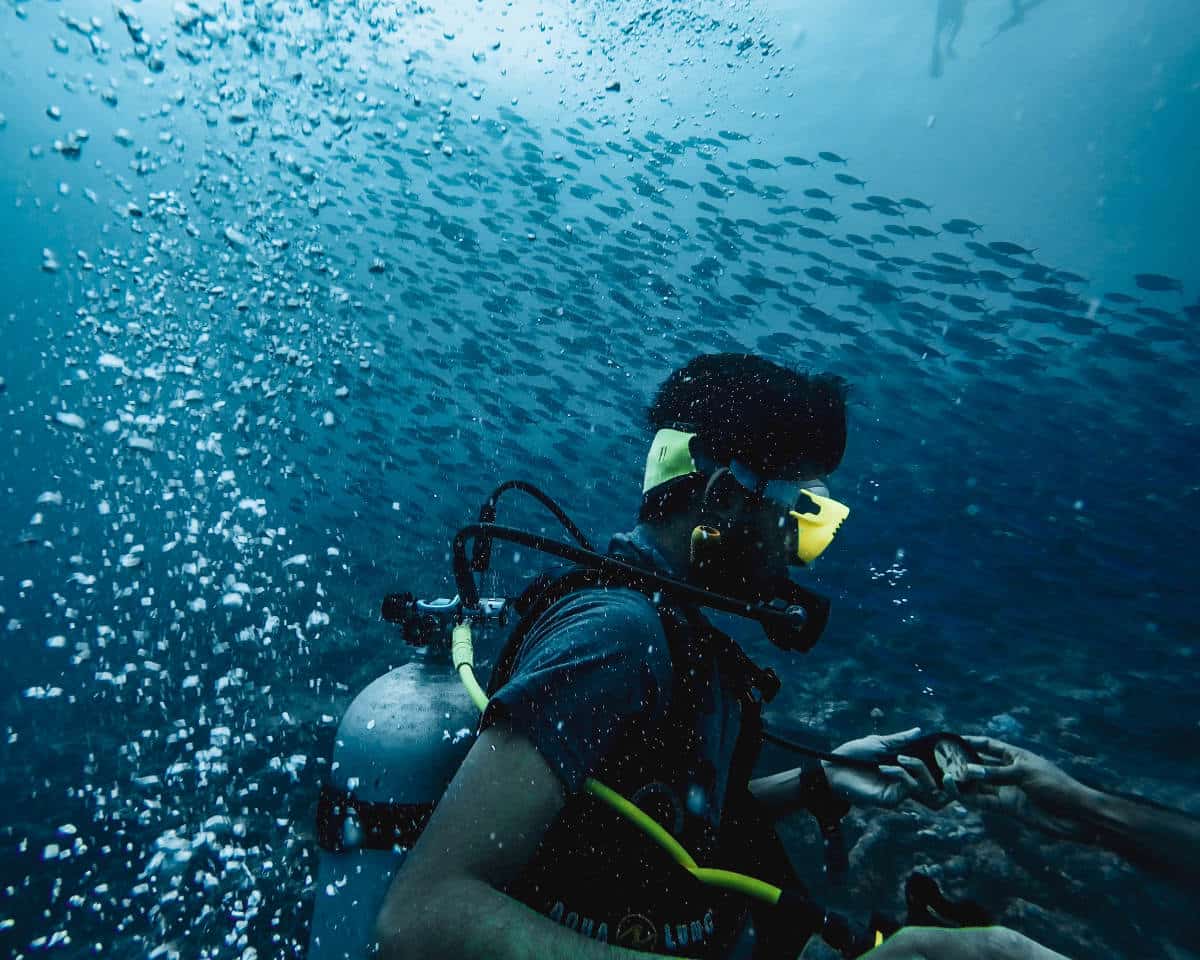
(1016, 781)
(1143, 832)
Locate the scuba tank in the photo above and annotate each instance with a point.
(397, 748)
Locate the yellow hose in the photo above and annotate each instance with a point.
(462, 656)
(749, 886)
(643, 821)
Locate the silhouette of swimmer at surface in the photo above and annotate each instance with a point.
(1016, 18)
(948, 22)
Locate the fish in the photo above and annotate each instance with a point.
(820, 213)
(1157, 283)
(849, 180)
(1065, 276)
(918, 347)
(757, 284)
(1054, 297)
(798, 162)
(818, 194)
(914, 204)
(831, 157)
(746, 185)
(780, 341)
(951, 275)
(879, 293)
(1007, 249)
(1037, 273)
(961, 227)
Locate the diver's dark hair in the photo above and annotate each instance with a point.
(777, 421)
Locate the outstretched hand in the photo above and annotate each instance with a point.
(892, 782)
(1018, 782)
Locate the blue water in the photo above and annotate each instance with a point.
(301, 282)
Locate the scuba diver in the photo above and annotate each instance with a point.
(607, 805)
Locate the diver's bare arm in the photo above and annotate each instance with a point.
(447, 899)
(464, 918)
(972, 943)
(1141, 831)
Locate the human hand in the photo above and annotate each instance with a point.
(890, 783)
(972, 943)
(1020, 783)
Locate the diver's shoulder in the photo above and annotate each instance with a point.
(616, 626)
(620, 604)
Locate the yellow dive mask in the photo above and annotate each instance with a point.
(816, 524)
